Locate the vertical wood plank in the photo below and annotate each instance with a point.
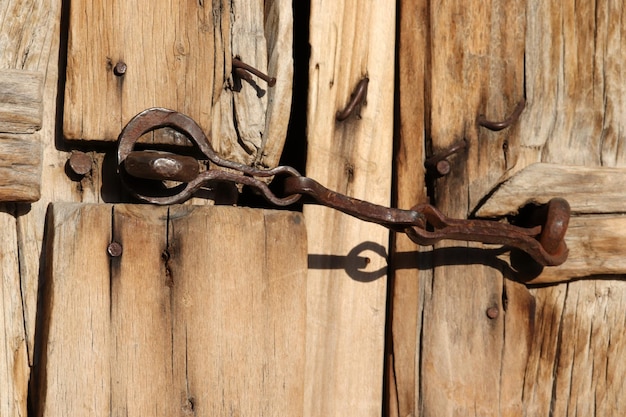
(240, 312)
(349, 40)
(590, 350)
(142, 356)
(575, 83)
(73, 367)
(279, 34)
(180, 323)
(29, 38)
(14, 371)
(163, 67)
(407, 279)
(474, 66)
(250, 103)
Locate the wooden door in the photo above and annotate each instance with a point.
(380, 326)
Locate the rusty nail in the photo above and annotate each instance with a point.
(120, 69)
(114, 249)
(357, 98)
(493, 312)
(80, 163)
(439, 162)
(240, 66)
(496, 126)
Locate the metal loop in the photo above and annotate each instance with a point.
(155, 118)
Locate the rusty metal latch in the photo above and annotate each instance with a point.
(143, 173)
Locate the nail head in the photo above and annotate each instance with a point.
(443, 167)
(493, 312)
(114, 249)
(120, 69)
(80, 163)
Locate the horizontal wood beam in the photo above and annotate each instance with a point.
(21, 101)
(20, 167)
(589, 190)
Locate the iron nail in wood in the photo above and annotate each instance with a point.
(497, 126)
(120, 68)
(493, 312)
(439, 162)
(357, 98)
(114, 249)
(79, 163)
(242, 69)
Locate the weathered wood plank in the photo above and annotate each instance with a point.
(178, 324)
(473, 69)
(403, 388)
(21, 101)
(589, 190)
(33, 45)
(184, 66)
(250, 123)
(29, 33)
(575, 81)
(74, 371)
(577, 356)
(279, 35)
(20, 167)
(142, 326)
(14, 371)
(162, 68)
(240, 315)
(597, 230)
(346, 309)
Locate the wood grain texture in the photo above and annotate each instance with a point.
(589, 190)
(184, 66)
(472, 69)
(20, 167)
(577, 353)
(75, 331)
(21, 101)
(279, 34)
(346, 298)
(533, 359)
(21, 111)
(163, 67)
(177, 324)
(597, 230)
(14, 371)
(574, 84)
(30, 34)
(29, 38)
(596, 248)
(404, 322)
